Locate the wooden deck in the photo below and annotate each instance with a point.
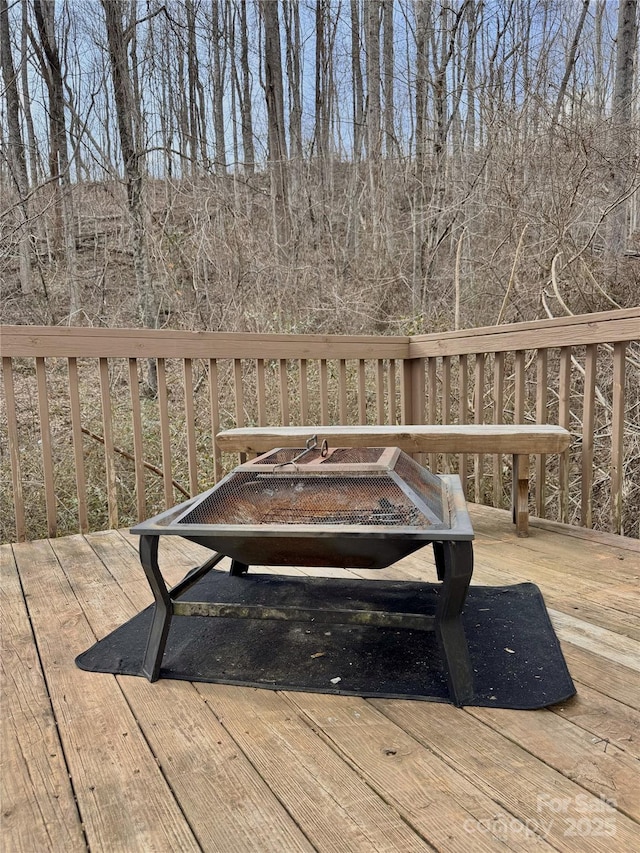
(103, 763)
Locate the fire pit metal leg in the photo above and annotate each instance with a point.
(164, 601)
(163, 609)
(237, 568)
(456, 565)
(438, 554)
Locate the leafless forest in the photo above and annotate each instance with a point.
(329, 166)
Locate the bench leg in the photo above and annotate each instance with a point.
(520, 494)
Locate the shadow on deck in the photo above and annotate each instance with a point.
(104, 763)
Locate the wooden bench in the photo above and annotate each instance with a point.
(520, 440)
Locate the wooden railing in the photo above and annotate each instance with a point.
(103, 427)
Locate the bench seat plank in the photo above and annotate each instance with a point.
(521, 439)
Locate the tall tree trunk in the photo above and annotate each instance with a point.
(276, 126)
(358, 90)
(599, 84)
(291, 14)
(321, 135)
(390, 143)
(15, 152)
(623, 140)
(570, 63)
(45, 20)
(192, 90)
(374, 130)
(218, 90)
(469, 141)
(245, 96)
(423, 29)
(32, 146)
(355, 183)
(128, 118)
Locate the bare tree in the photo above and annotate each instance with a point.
(246, 111)
(276, 126)
(217, 36)
(373, 114)
(133, 153)
(626, 60)
(357, 85)
(391, 144)
(570, 63)
(17, 164)
(59, 153)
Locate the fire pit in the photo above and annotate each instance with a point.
(360, 508)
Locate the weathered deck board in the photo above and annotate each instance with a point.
(38, 807)
(487, 753)
(120, 790)
(96, 762)
(307, 777)
(223, 798)
(432, 795)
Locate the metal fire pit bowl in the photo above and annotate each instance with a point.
(350, 508)
(362, 508)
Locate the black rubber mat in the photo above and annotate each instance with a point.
(516, 658)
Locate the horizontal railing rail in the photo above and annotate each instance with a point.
(104, 427)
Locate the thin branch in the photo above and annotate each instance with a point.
(153, 468)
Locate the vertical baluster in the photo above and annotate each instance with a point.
(304, 392)
(446, 402)
(138, 457)
(432, 404)
(478, 418)
(617, 434)
(165, 433)
(393, 409)
(239, 397)
(498, 418)
(215, 417)
(588, 416)
(14, 450)
(284, 391)
(520, 390)
(324, 392)
(564, 403)
(463, 385)
(45, 440)
(362, 392)
(518, 498)
(78, 449)
(342, 391)
(541, 418)
(189, 411)
(261, 391)
(109, 459)
(380, 392)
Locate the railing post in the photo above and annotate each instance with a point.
(412, 396)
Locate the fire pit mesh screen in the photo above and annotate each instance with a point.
(271, 498)
(420, 481)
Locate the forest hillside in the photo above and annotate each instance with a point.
(384, 166)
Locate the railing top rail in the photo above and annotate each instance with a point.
(602, 327)
(88, 342)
